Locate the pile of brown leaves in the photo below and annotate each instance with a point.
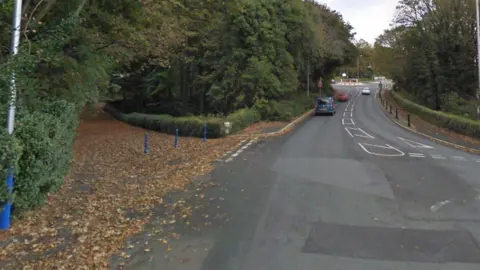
(86, 221)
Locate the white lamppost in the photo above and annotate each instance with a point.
(16, 23)
(478, 56)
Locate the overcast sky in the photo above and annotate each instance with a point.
(368, 17)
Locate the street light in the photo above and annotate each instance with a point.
(478, 56)
(16, 20)
(358, 66)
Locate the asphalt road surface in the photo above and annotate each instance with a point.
(346, 192)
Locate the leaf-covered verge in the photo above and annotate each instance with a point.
(239, 60)
(109, 194)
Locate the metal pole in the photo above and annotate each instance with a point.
(16, 24)
(16, 21)
(308, 76)
(478, 55)
(358, 68)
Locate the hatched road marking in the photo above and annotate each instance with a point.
(230, 155)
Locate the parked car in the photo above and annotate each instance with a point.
(366, 91)
(325, 105)
(342, 96)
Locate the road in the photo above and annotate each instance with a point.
(350, 191)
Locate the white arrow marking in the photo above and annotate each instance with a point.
(415, 144)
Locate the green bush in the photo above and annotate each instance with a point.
(10, 147)
(40, 151)
(242, 119)
(453, 122)
(283, 110)
(46, 135)
(187, 126)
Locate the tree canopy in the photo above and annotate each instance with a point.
(430, 52)
(175, 57)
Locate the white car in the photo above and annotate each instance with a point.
(366, 91)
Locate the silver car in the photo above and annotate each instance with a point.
(366, 91)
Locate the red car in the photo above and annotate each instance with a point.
(341, 96)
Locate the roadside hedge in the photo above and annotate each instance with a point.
(242, 119)
(191, 126)
(40, 150)
(446, 120)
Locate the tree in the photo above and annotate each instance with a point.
(430, 52)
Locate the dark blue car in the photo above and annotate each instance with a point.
(325, 105)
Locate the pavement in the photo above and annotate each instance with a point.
(349, 191)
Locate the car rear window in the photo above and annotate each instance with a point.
(322, 101)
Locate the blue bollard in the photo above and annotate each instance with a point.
(7, 207)
(175, 144)
(146, 143)
(204, 132)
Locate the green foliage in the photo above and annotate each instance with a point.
(10, 147)
(283, 110)
(57, 71)
(46, 136)
(187, 126)
(241, 59)
(453, 122)
(432, 55)
(242, 119)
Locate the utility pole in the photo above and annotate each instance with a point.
(478, 56)
(16, 24)
(308, 76)
(358, 67)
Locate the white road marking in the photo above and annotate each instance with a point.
(349, 133)
(347, 114)
(416, 155)
(459, 158)
(438, 205)
(346, 122)
(389, 147)
(364, 135)
(415, 144)
(237, 153)
(477, 160)
(438, 157)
